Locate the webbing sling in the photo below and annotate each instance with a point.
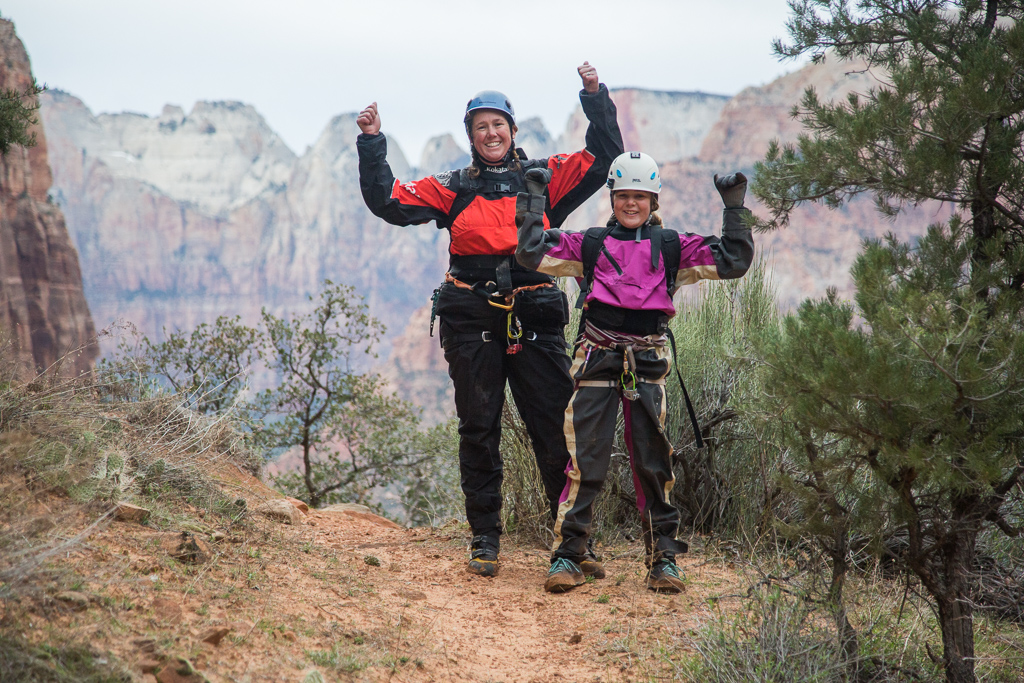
(487, 336)
(686, 396)
(593, 245)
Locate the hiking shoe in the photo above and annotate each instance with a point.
(483, 556)
(665, 577)
(591, 564)
(563, 575)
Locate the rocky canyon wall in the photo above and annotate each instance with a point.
(43, 311)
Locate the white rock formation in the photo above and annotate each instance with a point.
(535, 139)
(218, 157)
(667, 125)
(441, 153)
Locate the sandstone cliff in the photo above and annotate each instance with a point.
(669, 125)
(43, 311)
(176, 246)
(751, 119)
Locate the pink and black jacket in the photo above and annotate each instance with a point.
(625, 278)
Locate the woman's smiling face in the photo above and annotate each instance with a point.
(632, 207)
(492, 136)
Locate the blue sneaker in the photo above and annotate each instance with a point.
(665, 577)
(563, 575)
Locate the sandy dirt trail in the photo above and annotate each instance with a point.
(357, 598)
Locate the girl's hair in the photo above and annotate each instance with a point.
(655, 219)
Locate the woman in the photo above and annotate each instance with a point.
(629, 271)
(499, 322)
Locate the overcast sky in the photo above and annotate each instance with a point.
(304, 61)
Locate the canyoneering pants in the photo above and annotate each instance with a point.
(474, 336)
(589, 426)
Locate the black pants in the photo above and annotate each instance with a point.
(590, 433)
(474, 337)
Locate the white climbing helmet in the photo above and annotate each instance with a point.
(634, 171)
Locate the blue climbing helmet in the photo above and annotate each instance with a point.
(490, 99)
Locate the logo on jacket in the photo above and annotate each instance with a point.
(444, 178)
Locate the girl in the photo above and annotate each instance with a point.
(621, 354)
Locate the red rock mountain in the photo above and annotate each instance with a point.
(43, 311)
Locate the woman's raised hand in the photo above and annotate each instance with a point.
(589, 76)
(369, 120)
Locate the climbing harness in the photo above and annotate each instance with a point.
(490, 293)
(594, 336)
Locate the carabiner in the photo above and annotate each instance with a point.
(628, 381)
(514, 335)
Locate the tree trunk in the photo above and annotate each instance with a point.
(956, 618)
(956, 611)
(848, 638)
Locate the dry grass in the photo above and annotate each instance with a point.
(69, 453)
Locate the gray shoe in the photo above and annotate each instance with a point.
(483, 557)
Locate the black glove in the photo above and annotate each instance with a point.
(537, 179)
(732, 188)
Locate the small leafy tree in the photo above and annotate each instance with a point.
(353, 436)
(922, 383)
(356, 440)
(16, 117)
(208, 366)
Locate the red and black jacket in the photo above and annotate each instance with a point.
(480, 212)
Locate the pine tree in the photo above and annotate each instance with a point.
(17, 117)
(917, 392)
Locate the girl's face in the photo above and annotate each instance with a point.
(632, 207)
(492, 136)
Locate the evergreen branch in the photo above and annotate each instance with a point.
(934, 362)
(1003, 525)
(1016, 218)
(1010, 481)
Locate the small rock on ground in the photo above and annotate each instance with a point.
(280, 510)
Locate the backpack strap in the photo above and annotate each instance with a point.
(672, 251)
(592, 247)
(469, 188)
(465, 195)
(657, 245)
(686, 397)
